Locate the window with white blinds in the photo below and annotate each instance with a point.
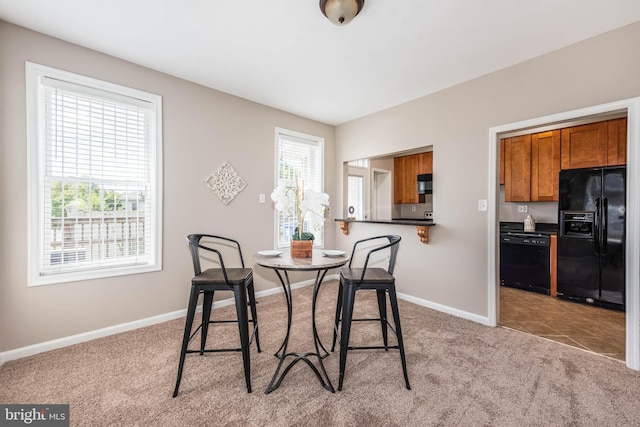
(94, 179)
(298, 157)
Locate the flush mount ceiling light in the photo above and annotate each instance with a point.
(341, 12)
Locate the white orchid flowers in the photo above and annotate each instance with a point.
(293, 200)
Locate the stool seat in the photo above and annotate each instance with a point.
(370, 278)
(235, 276)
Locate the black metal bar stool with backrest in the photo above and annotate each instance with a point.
(222, 278)
(353, 279)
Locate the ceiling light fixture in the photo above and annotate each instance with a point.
(341, 12)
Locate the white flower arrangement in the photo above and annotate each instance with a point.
(293, 200)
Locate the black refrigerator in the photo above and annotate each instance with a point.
(591, 239)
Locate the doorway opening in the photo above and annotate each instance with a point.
(358, 190)
(631, 353)
(381, 203)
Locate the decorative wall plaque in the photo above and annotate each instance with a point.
(226, 183)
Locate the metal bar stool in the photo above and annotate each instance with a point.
(238, 280)
(353, 279)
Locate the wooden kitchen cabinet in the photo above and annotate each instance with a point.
(405, 179)
(585, 146)
(501, 161)
(553, 264)
(425, 163)
(405, 176)
(617, 142)
(530, 164)
(398, 183)
(517, 168)
(595, 145)
(545, 166)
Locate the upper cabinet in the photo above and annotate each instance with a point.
(517, 168)
(617, 144)
(425, 163)
(502, 161)
(531, 167)
(595, 145)
(585, 146)
(405, 179)
(545, 166)
(530, 164)
(405, 176)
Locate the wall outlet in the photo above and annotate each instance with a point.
(262, 198)
(413, 208)
(523, 208)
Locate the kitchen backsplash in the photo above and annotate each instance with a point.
(405, 210)
(546, 212)
(540, 211)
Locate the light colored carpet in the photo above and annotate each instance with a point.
(461, 373)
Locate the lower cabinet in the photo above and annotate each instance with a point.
(553, 266)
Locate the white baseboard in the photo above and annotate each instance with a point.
(30, 350)
(124, 327)
(483, 320)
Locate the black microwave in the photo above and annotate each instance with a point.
(425, 183)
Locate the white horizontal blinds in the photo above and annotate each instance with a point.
(97, 178)
(298, 159)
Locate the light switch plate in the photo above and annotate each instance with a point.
(523, 208)
(262, 198)
(482, 205)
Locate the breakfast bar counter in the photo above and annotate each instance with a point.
(422, 225)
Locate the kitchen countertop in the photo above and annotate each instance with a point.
(518, 227)
(422, 225)
(399, 221)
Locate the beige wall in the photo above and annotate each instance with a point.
(451, 271)
(202, 129)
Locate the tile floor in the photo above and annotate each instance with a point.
(591, 328)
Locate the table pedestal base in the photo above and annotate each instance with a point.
(282, 354)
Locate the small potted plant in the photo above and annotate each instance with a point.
(291, 198)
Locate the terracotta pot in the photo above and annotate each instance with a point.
(301, 248)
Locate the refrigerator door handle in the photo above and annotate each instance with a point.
(596, 231)
(605, 224)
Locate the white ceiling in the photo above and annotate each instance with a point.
(286, 54)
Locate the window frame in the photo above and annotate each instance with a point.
(310, 139)
(36, 145)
